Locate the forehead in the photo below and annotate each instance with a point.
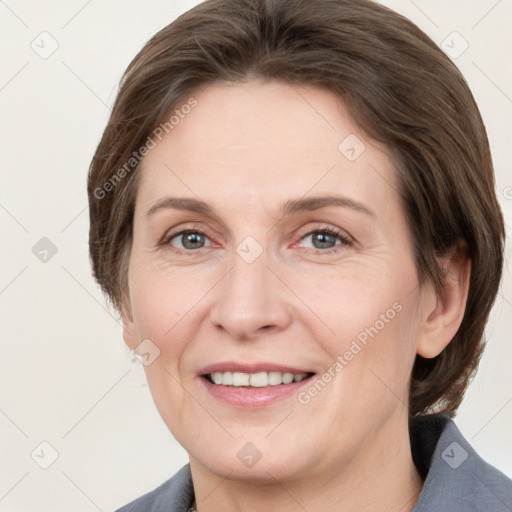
(272, 140)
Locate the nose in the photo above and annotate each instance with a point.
(251, 300)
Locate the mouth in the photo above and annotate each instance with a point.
(253, 386)
(255, 380)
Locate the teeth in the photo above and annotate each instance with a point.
(258, 380)
(239, 379)
(287, 378)
(255, 380)
(275, 378)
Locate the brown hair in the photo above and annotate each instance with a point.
(399, 87)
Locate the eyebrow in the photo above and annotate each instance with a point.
(290, 207)
(315, 203)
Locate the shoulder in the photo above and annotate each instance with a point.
(175, 494)
(457, 478)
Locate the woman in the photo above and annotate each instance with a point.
(293, 209)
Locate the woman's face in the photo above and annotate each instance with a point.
(296, 258)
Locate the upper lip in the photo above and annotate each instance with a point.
(233, 366)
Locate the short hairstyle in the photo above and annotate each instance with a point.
(399, 88)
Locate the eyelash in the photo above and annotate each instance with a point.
(336, 233)
(345, 240)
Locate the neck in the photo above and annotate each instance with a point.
(379, 477)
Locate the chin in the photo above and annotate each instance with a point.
(258, 461)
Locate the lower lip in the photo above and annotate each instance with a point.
(252, 398)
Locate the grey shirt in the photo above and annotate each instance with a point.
(456, 478)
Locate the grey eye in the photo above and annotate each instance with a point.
(189, 240)
(321, 240)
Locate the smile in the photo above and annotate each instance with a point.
(255, 380)
(259, 386)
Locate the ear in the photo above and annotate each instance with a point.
(444, 311)
(129, 330)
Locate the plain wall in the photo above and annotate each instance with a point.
(66, 376)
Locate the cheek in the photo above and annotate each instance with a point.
(163, 299)
(164, 311)
(346, 305)
(380, 359)
(370, 328)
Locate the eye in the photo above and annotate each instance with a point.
(321, 240)
(188, 240)
(326, 239)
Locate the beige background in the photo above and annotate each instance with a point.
(66, 377)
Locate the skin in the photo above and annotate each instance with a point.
(245, 150)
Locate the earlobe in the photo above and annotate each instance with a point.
(445, 310)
